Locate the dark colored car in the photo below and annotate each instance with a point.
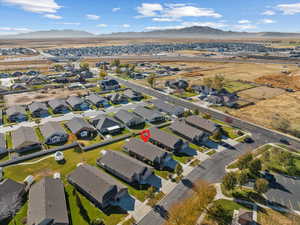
(161, 211)
(284, 141)
(248, 140)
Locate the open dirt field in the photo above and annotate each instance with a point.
(38, 96)
(285, 105)
(284, 81)
(260, 93)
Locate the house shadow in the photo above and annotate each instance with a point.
(126, 203)
(188, 151)
(211, 144)
(279, 186)
(171, 164)
(154, 181)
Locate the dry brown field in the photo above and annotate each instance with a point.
(260, 93)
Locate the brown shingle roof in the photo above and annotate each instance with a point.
(202, 123)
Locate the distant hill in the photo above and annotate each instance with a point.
(188, 32)
(201, 31)
(51, 34)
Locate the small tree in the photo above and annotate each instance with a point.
(230, 180)
(178, 169)
(244, 161)
(207, 116)
(218, 214)
(84, 66)
(116, 62)
(102, 74)
(242, 177)
(261, 185)
(196, 111)
(255, 166)
(151, 80)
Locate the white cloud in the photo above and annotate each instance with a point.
(267, 21)
(70, 23)
(116, 9)
(179, 11)
(36, 6)
(173, 12)
(289, 9)
(52, 16)
(268, 13)
(160, 19)
(102, 25)
(92, 17)
(126, 25)
(244, 21)
(149, 10)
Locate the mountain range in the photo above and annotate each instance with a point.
(188, 32)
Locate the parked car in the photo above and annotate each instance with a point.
(161, 211)
(284, 141)
(248, 140)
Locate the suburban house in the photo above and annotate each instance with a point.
(177, 84)
(188, 132)
(109, 84)
(107, 125)
(118, 98)
(203, 124)
(149, 115)
(124, 167)
(78, 103)
(25, 139)
(97, 100)
(18, 86)
(16, 113)
(148, 153)
(97, 186)
(170, 109)
(11, 197)
(128, 118)
(47, 203)
(58, 106)
(37, 80)
(167, 141)
(53, 133)
(3, 147)
(133, 95)
(38, 109)
(81, 128)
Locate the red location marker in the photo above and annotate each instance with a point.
(145, 135)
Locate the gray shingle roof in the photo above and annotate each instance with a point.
(202, 123)
(15, 109)
(95, 99)
(126, 116)
(36, 106)
(147, 114)
(168, 108)
(185, 129)
(146, 150)
(132, 94)
(24, 135)
(76, 124)
(123, 164)
(47, 201)
(50, 128)
(74, 100)
(103, 122)
(54, 103)
(164, 138)
(94, 181)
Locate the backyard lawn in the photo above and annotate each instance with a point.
(234, 86)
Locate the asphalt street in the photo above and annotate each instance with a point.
(285, 192)
(213, 170)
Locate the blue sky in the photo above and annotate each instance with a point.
(106, 16)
